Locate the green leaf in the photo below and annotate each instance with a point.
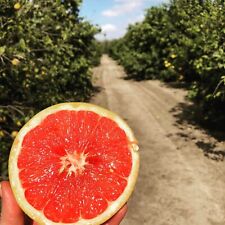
(2, 50)
(22, 44)
(47, 40)
(64, 35)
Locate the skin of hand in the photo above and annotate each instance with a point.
(11, 214)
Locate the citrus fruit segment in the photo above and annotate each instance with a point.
(73, 163)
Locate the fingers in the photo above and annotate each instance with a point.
(35, 223)
(29, 221)
(11, 214)
(118, 217)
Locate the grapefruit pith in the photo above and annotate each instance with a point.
(73, 163)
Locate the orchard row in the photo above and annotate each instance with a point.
(183, 41)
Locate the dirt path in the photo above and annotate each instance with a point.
(177, 184)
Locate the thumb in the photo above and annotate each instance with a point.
(118, 217)
(11, 214)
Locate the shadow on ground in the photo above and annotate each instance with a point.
(188, 115)
(210, 151)
(178, 85)
(97, 89)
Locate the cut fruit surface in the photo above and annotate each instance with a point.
(73, 163)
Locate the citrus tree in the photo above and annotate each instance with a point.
(46, 52)
(182, 41)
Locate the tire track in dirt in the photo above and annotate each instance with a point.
(177, 184)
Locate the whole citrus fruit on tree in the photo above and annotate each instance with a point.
(73, 163)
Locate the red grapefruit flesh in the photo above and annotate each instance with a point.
(73, 163)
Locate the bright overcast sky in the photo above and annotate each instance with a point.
(113, 16)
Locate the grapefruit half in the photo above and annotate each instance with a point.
(73, 163)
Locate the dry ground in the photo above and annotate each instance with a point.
(182, 173)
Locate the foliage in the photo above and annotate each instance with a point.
(96, 53)
(45, 58)
(183, 41)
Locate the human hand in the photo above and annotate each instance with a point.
(11, 214)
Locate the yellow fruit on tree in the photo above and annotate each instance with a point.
(17, 6)
(15, 62)
(14, 133)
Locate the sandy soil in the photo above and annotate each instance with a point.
(182, 174)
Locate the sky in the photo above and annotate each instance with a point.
(113, 16)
